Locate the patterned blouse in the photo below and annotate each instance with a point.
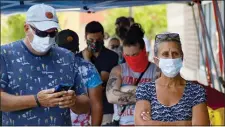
(194, 94)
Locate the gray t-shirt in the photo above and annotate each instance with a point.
(129, 77)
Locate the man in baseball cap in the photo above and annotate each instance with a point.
(42, 16)
(68, 39)
(32, 71)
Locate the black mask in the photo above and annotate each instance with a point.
(95, 46)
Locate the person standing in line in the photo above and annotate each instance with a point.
(69, 39)
(30, 71)
(124, 78)
(103, 59)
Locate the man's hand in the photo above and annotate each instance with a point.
(87, 54)
(132, 91)
(68, 100)
(48, 98)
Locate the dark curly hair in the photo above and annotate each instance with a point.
(135, 36)
(94, 27)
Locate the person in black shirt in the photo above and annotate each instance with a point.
(103, 59)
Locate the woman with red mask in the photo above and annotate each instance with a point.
(124, 78)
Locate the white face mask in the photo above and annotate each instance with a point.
(42, 45)
(170, 67)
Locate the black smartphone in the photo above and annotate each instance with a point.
(63, 87)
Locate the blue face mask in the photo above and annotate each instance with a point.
(170, 67)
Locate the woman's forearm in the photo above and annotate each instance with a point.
(161, 123)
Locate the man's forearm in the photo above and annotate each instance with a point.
(114, 95)
(11, 103)
(96, 115)
(122, 98)
(82, 105)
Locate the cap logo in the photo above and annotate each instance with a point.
(69, 39)
(49, 15)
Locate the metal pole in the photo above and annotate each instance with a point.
(208, 64)
(130, 12)
(220, 29)
(209, 40)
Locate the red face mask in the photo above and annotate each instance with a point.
(137, 63)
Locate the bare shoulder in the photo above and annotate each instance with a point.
(116, 70)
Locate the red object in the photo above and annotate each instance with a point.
(214, 98)
(137, 63)
(208, 71)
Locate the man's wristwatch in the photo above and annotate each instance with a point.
(37, 101)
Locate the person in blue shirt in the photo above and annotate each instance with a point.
(69, 39)
(32, 68)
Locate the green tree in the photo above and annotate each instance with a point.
(152, 18)
(12, 28)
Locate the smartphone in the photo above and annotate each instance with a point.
(63, 87)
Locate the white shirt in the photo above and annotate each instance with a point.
(147, 44)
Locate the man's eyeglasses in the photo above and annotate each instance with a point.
(115, 46)
(167, 37)
(44, 33)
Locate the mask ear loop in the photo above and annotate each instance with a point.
(157, 58)
(31, 32)
(158, 71)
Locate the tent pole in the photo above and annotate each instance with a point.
(202, 17)
(220, 29)
(207, 62)
(130, 11)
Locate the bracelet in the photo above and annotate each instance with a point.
(37, 101)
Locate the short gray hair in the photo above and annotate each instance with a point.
(166, 38)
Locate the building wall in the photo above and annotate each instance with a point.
(180, 20)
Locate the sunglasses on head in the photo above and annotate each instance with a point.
(44, 33)
(167, 37)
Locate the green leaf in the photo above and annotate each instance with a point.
(152, 18)
(12, 28)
